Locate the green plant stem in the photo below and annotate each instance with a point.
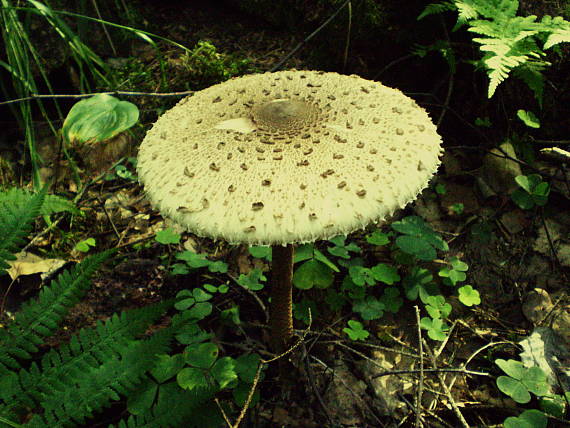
(9, 423)
(281, 308)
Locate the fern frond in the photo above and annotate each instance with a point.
(436, 8)
(52, 203)
(175, 408)
(16, 219)
(89, 350)
(101, 385)
(531, 74)
(559, 30)
(40, 317)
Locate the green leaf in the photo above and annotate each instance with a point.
(218, 267)
(99, 118)
(85, 245)
(528, 419)
(190, 378)
(528, 118)
(224, 371)
(522, 199)
(469, 296)
(192, 333)
(378, 238)
(391, 299)
(436, 328)
(199, 311)
(437, 307)
(554, 405)
(323, 259)
(301, 310)
(312, 273)
(356, 331)
(361, 275)
(385, 273)
(369, 308)
(201, 355)
(335, 300)
(260, 252)
(417, 247)
(513, 388)
(231, 315)
(513, 368)
(167, 367)
(140, 400)
(246, 366)
(192, 259)
(252, 280)
(304, 252)
(536, 381)
(167, 236)
(416, 284)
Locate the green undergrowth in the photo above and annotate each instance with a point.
(167, 378)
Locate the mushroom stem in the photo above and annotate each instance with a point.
(280, 312)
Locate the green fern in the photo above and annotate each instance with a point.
(40, 317)
(96, 367)
(16, 218)
(510, 43)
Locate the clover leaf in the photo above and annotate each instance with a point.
(437, 307)
(391, 299)
(252, 280)
(469, 296)
(369, 308)
(361, 275)
(356, 331)
(455, 272)
(313, 273)
(531, 418)
(378, 238)
(419, 283)
(418, 238)
(521, 381)
(167, 236)
(436, 328)
(533, 191)
(341, 249)
(385, 273)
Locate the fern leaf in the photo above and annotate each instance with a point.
(16, 218)
(101, 385)
(40, 317)
(436, 8)
(531, 74)
(175, 408)
(559, 30)
(92, 348)
(51, 204)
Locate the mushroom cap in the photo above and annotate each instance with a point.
(288, 157)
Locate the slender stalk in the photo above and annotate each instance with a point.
(281, 308)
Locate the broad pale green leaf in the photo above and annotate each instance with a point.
(417, 247)
(531, 418)
(99, 118)
(514, 389)
(513, 368)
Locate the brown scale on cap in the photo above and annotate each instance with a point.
(354, 155)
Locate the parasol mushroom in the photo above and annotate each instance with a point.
(284, 158)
